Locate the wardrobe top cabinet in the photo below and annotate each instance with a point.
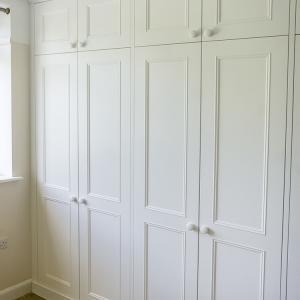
(71, 25)
(176, 21)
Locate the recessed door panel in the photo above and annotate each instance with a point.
(242, 129)
(166, 171)
(233, 19)
(56, 246)
(105, 130)
(246, 268)
(104, 164)
(242, 163)
(166, 135)
(55, 27)
(164, 254)
(169, 21)
(103, 24)
(57, 119)
(105, 254)
(56, 97)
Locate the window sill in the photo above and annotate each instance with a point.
(4, 179)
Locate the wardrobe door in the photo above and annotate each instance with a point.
(103, 24)
(55, 26)
(57, 160)
(167, 21)
(104, 164)
(293, 291)
(232, 19)
(242, 168)
(166, 172)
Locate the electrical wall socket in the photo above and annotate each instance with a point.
(3, 243)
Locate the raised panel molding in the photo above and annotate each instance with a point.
(110, 108)
(109, 242)
(183, 184)
(237, 19)
(50, 32)
(56, 143)
(160, 285)
(218, 221)
(115, 26)
(56, 256)
(162, 7)
(230, 291)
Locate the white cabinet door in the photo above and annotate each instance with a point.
(104, 164)
(293, 291)
(232, 19)
(167, 21)
(166, 172)
(103, 24)
(242, 168)
(56, 96)
(55, 26)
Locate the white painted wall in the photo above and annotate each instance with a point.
(15, 197)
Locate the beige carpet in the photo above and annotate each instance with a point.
(31, 297)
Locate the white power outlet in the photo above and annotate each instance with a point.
(3, 243)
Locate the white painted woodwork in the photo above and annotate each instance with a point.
(56, 94)
(166, 171)
(168, 21)
(55, 26)
(242, 168)
(104, 180)
(233, 19)
(103, 24)
(293, 288)
(298, 18)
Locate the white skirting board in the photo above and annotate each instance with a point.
(16, 291)
(46, 292)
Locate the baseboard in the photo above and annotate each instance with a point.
(46, 292)
(17, 290)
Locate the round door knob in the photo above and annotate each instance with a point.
(191, 226)
(74, 199)
(73, 44)
(194, 33)
(208, 33)
(83, 201)
(83, 43)
(204, 229)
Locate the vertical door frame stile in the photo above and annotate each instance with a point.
(33, 181)
(200, 150)
(288, 150)
(78, 161)
(132, 121)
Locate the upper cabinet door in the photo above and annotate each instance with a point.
(55, 26)
(233, 19)
(103, 24)
(167, 21)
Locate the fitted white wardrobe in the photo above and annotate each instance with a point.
(161, 133)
